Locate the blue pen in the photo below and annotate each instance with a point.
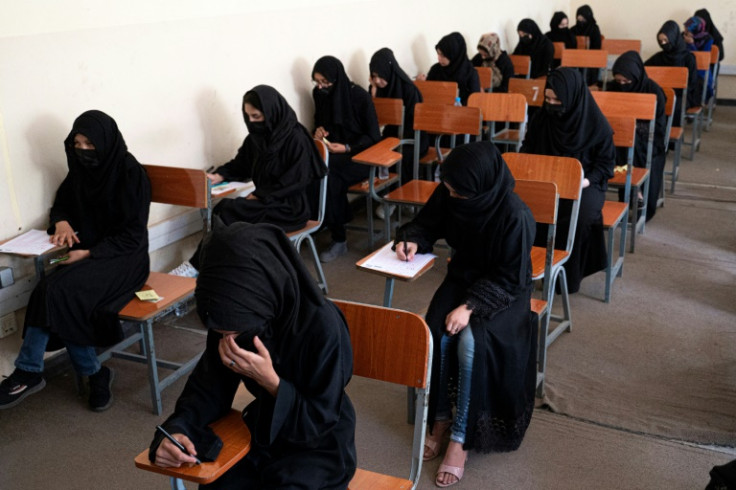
(175, 442)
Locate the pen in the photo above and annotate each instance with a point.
(406, 252)
(58, 259)
(210, 169)
(175, 442)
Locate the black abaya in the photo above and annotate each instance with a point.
(491, 233)
(460, 69)
(588, 27)
(581, 132)
(253, 282)
(107, 206)
(558, 35)
(538, 48)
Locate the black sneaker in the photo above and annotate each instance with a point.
(100, 386)
(17, 386)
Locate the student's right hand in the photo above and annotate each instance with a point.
(320, 133)
(215, 178)
(64, 235)
(411, 250)
(169, 456)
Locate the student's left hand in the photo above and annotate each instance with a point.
(457, 319)
(255, 365)
(75, 256)
(586, 183)
(337, 148)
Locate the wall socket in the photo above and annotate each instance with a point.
(8, 325)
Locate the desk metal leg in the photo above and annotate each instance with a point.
(388, 292)
(147, 332)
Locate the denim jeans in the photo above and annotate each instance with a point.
(30, 358)
(464, 342)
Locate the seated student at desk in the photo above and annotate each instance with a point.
(534, 44)
(453, 65)
(479, 317)
(280, 157)
(269, 327)
(490, 55)
(101, 213)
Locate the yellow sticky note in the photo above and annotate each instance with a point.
(148, 295)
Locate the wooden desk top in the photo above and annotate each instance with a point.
(235, 445)
(170, 288)
(359, 265)
(381, 154)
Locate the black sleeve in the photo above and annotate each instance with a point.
(602, 162)
(296, 172)
(427, 226)
(543, 62)
(239, 168)
(595, 38)
(507, 73)
(62, 208)
(477, 60)
(365, 112)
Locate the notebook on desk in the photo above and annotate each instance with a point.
(385, 261)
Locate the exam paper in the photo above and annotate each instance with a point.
(385, 260)
(33, 242)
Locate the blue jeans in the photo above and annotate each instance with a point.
(465, 344)
(30, 358)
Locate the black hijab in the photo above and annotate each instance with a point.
(530, 27)
(556, 34)
(334, 107)
(712, 29)
(477, 172)
(251, 280)
(453, 48)
(281, 125)
(631, 66)
(678, 52)
(580, 127)
(585, 28)
(384, 64)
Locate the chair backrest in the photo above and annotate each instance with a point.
(584, 58)
(434, 92)
(485, 75)
(675, 77)
(532, 89)
(620, 46)
(522, 64)
(583, 42)
(715, 53)
(624, 136)
(559, 48)
(396, 347)
(702, 59)
(390, 112)
(669, 110)
(182, 187)
(542, 200)
(565, 172)
(500, 107)
(447, 119)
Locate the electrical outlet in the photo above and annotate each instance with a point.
(7, 325)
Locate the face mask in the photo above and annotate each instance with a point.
(257, 127)
(625, 87)
(87, 158)
(525, 39)
(555, 110)
(666, 47)
(325, 90)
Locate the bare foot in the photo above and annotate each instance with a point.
(455, 456)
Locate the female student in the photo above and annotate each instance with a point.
(490, 55)
(453, 65)
(534, 44)
(280, 157)
(560, 33)
(345, 119)
(572, 125)
(674, 52)
(270, 328)
(101, 213)
(586, 25)
(697, 38)
(712, 30)
(484, 334)
(390, 81)
(630, 76)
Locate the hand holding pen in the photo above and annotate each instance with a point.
(174, 452)
(406, 250)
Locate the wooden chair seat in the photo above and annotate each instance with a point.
(613, 213)
(538, 260)
(170, 288)
(308, 228)
(414, 193)
(538, 306)
(694, 111)
(431, 156)
(638, 177)
(235, 445)
(676, 133)
(369, 480)
(378, 184)
(511, 135)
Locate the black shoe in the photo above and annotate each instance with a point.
(17, 386)
(100, 389)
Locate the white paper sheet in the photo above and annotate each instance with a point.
(386, 260)
(233, 186)
(33, 242)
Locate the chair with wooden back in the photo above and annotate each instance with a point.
(298, 237)
(697, 113)
(522, 64)
(438, 120)
(567, 174)
(559, 48)
(435, 92)
(542, 200)
(390, 112)
(642, 107)
(180, 187)
(620, 46)
(587, 59)
(669, 110)
(485, 75)
(716, 68)
(615, 214)
(393, 346)
(504, 109)
(583, 42)
(532, 89)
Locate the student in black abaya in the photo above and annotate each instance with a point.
(345, 119)
(492, 56)
(586, 25)
(101, 213)
(675, 53)
(560, 33)
(711, 28)
(270, 328)
(279, 156)
(453, 65)
(390, 81)
(630, 76)
(534, 44)
(572, 125)
(484, 333)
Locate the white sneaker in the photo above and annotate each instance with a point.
(380, 211)
(185, 269)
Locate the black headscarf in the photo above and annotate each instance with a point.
(585, 28)
(712, 29)
(530, 27)
(477, 172)
(555, 22)
(384, 64)
(336, 105)
(582, 125)
(631, 66)
(454, 49)
(678, 52)
(251, 280)
(281, 123)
